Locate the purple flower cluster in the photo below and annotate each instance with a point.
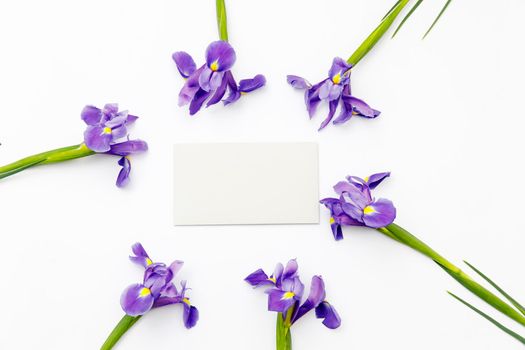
(212, 80)
(107, 132)
(285, 292)
(356, 207)
(157, 289)
(335, 90)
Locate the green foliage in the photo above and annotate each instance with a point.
(490, 319)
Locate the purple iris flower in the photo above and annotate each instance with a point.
(211, 81)
(157, 289)
(107, 133)
(356, 207)
(335, 90)
(105, 126)
(285, 292)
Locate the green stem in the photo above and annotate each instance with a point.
(403, 236)
(222, 20)
(53, 156)
(377, 34)
(283, 334)
(122, 327)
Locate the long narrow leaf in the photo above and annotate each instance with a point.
(490, 319)
(377, 34)
(509, 298)
(437, 18)
(486, 295)
(390, 11)
(490, 298)
(416, 5)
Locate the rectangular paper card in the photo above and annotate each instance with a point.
(246, 183)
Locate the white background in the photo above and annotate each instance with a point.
(451, 132)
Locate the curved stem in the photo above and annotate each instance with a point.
(283, 335)
(377, 34)
(222, 22)
(122, 327)
(53, 156)
(403, 236)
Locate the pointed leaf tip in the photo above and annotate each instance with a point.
(490, 319)
(437, 18)
(498, 288)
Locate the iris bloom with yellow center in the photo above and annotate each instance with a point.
(156, 290)
(214, 79)
(286, 292)
(106, 133)
(335, 90)
(356, 207)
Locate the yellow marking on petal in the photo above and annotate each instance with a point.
(186, 301)
(148, 261)
(214, 66)
(332, 221)
(336, 79)
(368, 177)
(288, 295)
(272, 279)
(368, 210)
(243, 93)
(107, 130)
(144, 292)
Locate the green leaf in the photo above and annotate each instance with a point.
(496, 323)
(377, 34)
(486, 295)
(405, 237)
(391, 9)
(509, 298)
(437, 18)
(416, 5)
(222, 20)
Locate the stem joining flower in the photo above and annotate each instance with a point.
(107, 132)
(157, 289)
(334, 90)
(356, 207)
(211, 81)
(285, 292)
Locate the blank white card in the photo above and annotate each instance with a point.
(246, 183)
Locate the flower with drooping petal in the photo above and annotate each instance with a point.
(211, 81)
(356, 207)
(125, 149)
(106, 133)
(285, 293)
(105, 126)
(157, 288)
(334, 90)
